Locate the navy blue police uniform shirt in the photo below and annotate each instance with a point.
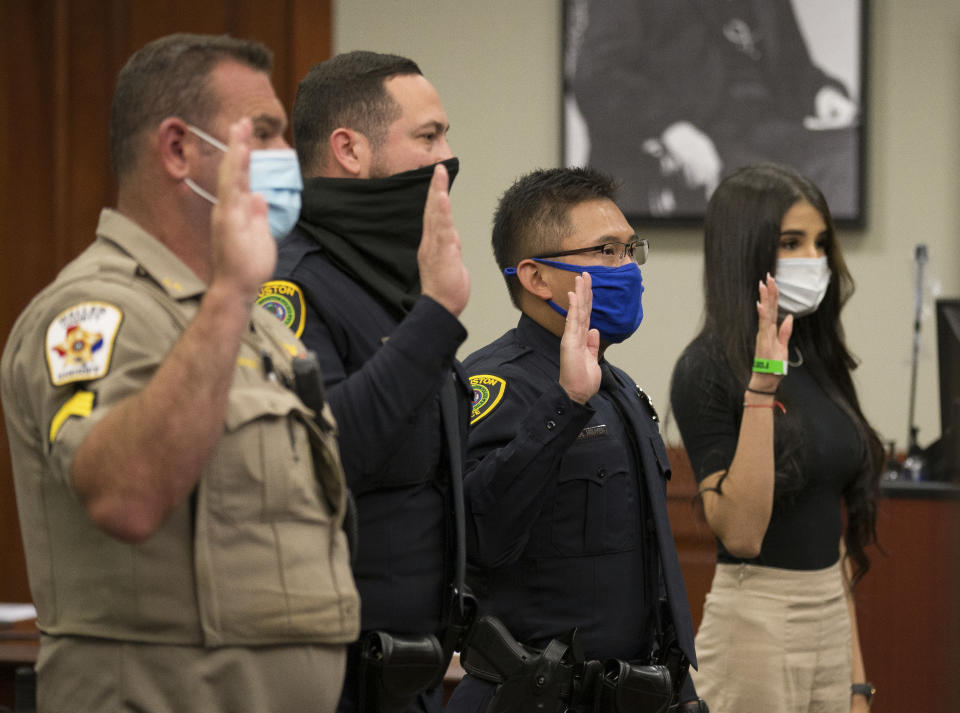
(566, 503)
(382, 379)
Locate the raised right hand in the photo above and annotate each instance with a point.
(772, 341)
(244, 253)
(580, 345)
(443, 276)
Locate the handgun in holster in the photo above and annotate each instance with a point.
(527, 679)
(559, 678)
(308, 384)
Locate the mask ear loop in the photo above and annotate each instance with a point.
(216, 143)
(200, 191)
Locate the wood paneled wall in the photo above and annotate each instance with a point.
(58, 65)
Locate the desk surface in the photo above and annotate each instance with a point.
(931, 489)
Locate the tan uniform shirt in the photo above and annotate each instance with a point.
(257, 555)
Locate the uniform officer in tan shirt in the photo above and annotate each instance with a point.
(181, 507)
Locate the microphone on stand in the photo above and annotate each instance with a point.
(914, 467)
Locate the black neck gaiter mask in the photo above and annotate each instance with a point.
(371, 228)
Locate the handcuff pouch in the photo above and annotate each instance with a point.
(627, 688)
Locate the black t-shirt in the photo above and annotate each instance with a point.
(807, 521)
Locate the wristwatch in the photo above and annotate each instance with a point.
(864, 689)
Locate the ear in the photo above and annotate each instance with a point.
(530, 274)
(350, 154)
(174, 151)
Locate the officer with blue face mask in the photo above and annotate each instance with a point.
(566, 473)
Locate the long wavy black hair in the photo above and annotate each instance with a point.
(741, 239)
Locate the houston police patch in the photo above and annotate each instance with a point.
(80, 341)
(284, 300)
(488, 390)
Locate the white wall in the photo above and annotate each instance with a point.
(496, 65)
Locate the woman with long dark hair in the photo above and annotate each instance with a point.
(781, 450)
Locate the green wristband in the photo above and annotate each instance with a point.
(770, 366)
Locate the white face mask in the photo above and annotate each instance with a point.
(803, 283)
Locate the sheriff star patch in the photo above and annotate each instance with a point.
(284, 300)
(488, 390)
(80, 341)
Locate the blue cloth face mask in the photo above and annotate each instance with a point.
(617, 308)
(275, 175)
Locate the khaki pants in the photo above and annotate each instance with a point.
(77, 675)
(774, 641)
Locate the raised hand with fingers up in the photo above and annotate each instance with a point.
(772, 341)
(244, 253)
(443, 276)
(580, 345)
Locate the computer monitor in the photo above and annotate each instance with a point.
(948, 353)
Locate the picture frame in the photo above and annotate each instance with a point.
(670, 96)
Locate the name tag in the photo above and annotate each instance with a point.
(592, 432)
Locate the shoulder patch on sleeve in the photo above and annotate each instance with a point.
(80, 340)
(284, 300)
(80, 404)
(488, 390)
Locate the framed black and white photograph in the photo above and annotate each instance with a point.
(670, 96)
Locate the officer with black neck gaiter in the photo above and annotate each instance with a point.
(372, 280)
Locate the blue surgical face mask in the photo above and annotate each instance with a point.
(617, 308)
(275, 175)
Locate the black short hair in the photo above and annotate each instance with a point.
(169, 77)
(346, 90)
(532, 217)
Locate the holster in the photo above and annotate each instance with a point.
(394, 669)
(527, 679)
(630, 688)
(558, 679)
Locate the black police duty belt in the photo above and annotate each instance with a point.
(558, 679)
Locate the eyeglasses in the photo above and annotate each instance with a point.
(612, 253)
